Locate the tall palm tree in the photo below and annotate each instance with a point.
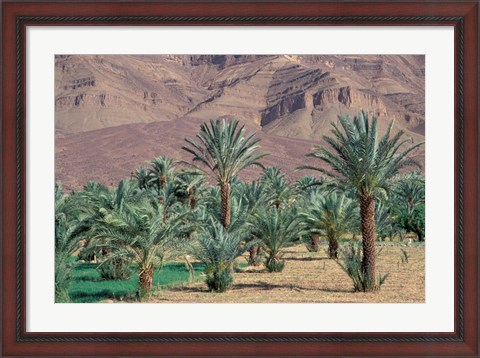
(224, 151)
(361, 161)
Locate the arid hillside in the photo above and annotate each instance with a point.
(112, 113)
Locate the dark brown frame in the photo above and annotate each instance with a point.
(16, 15)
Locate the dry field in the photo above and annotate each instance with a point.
(309, 277)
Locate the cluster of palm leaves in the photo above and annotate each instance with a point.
(170, 210)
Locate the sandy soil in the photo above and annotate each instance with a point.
(311, 277)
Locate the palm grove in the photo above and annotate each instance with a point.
(200, 208)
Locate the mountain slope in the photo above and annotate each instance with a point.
(299, 93)
(113, 113)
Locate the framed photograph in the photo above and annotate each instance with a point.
(230, 178)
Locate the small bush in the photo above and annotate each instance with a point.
(274, 264)
(218, 249)
(352, 265)
(219, 277)
(117, 268)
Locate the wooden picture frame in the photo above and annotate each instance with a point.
(17, 15)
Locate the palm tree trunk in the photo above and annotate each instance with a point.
(225, 197)
(252, 259)
(332, 247)
(192, 201)
(369, 236)
(314, 242)
(419, 235)
(145, 277)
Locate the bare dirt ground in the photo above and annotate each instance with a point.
(309, 277)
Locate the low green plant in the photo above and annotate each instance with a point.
(274, 264)
(217, 249)
(352, 265)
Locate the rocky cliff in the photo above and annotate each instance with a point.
(95, 92)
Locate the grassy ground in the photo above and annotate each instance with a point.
(88, 286)
(309, 277)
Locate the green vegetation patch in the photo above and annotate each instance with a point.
(87, 285)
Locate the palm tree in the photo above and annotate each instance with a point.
(256, 198)
(279, 192)
(409, 203)
(162, 171)
(311, 220)
(190, 185)
(224, 151)
(385, 221)
(277, 229)
(306, 184)
(69, 225)
(143, 233)
(331, 216)
(361, 161)
(410, 189)
(142, 176)
(98, 199)
(217, 249)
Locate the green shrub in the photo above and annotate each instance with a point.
(218, 249)
(219, 276)
(352, 265)
(273, 264)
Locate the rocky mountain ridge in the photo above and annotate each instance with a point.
(95, 92)
(114, 112)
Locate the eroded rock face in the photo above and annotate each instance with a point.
(345, 96)
(285, 105)
(287, 95)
